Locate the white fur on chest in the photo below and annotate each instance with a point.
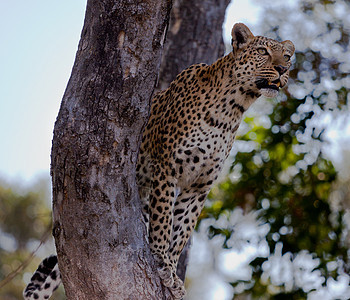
(201, 158)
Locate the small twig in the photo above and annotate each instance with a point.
(13, 274)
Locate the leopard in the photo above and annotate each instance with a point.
(189, 135)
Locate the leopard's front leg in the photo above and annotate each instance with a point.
(187, 208)
(161, 201)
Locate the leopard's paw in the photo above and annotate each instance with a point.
(166, 275)
(178, 288)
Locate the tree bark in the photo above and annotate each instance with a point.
(194, 36)
(100, 237)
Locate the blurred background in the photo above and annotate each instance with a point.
(276, 225)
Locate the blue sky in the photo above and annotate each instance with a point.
(39, 39)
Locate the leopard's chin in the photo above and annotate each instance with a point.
(268, 88)
(269, 93)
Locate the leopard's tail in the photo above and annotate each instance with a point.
(44, 281)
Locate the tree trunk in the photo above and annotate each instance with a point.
(194, 36)
(100, 237)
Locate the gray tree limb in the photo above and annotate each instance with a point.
(99, 233)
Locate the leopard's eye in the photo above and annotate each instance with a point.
(263, 51)
(286, 57)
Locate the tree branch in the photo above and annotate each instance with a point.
(99, 233)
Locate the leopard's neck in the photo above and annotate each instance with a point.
(229, 85)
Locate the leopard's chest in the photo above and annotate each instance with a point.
(200, 157)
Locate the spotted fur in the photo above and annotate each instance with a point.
(188, 137)
(44, 281)
(190, 133)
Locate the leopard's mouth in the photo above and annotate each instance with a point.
(266, 84)
(268, 88)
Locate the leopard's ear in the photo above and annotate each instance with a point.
(289, 45)
(241, 36)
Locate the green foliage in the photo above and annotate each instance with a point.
(34, 216)
(25, 221)
(292, 200)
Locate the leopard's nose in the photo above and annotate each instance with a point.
(281, 69)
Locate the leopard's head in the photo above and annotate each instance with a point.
(261, 64)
